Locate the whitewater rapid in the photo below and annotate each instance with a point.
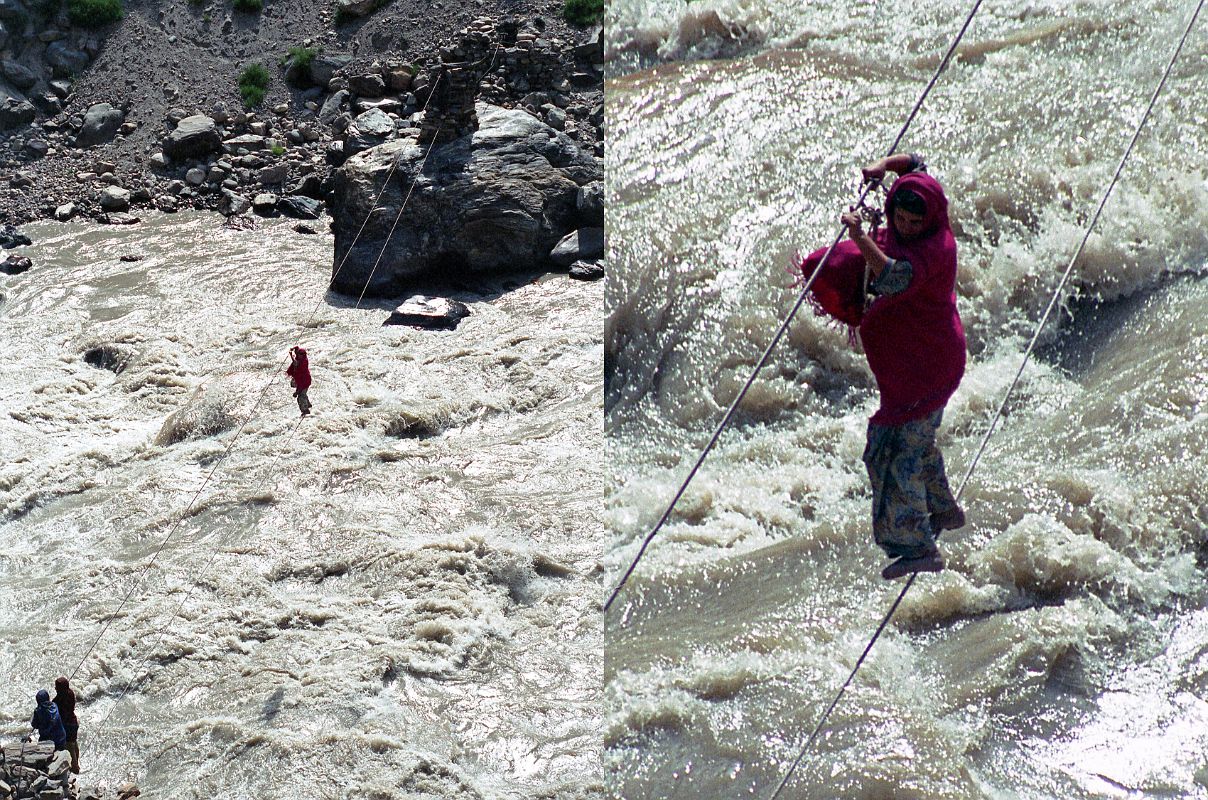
(396, 597)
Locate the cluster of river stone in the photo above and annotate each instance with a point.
(36, 771)
(238, 161)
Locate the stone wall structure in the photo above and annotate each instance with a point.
(450, 114)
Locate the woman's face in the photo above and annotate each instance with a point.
(907, 224)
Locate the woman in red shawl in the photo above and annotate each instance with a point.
(299, 377)
(915, 344)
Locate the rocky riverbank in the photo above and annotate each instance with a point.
(36, 771)
(128, 134)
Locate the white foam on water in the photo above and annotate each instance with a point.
(396, 597)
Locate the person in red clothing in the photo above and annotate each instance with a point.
(299, 377)
(915, 345)
(65, 699)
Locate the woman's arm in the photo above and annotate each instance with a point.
(873, 256)
(898, 162)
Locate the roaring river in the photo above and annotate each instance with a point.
(1064, 651)
(396, 597)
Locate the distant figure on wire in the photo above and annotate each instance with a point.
(46, 719)
(915, 344)
(65, 699)
(299, 377)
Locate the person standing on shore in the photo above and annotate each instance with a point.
(915, 345)
(65, 699)
(47, 721)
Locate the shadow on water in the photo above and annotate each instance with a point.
(483, 291)
(272, 706)
(1092, 325)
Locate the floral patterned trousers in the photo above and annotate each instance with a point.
(906, 470)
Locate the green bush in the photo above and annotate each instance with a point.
(583, 12)
(301, 57)
(249, 5)
(278, 150)
(253, 85)
(94, 13)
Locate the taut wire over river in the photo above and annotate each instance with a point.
(1062, 652)
(394, 597)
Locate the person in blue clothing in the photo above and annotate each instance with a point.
(46, 719)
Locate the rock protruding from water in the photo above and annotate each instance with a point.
(494, 202)
(429, 312)
(10, 238)
(15, 265)
(585, 244)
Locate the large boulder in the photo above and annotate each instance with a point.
(101, 122)
(585, 244)
(15, 113)
(437, 313)
(323, 68)
(65, 60)
(356, 8)
(194, 137)
(115, 198)
(20, 76)
(300, 207)
(333, 105)
(590, 203)
(368, 130)
(494, 202)
(13, 11)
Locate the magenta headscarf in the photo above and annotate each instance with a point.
(914, 340)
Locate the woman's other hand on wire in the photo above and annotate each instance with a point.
(855, 228)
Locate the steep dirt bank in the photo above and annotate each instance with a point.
(166, 61)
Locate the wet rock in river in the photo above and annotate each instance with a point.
(15, 265)
(9, 238)
(585, 244)
(300, 207)
(587, 270)
(429, 312)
